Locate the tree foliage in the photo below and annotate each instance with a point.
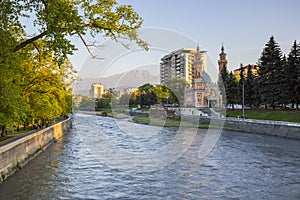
(176, 88)
(292, 76)
(222, 80)
(250, 89)
(56, 22)
(146, 96)
(270, 74)
(231, 90)
(36, 39)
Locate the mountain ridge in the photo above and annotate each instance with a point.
(133, 78)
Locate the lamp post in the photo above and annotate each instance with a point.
(243, 100)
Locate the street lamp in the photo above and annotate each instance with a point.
(243, 99)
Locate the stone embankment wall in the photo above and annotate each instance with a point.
(275, 128)
(16, 154)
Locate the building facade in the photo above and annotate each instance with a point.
(253, 68)
(180, 64)
(97, 91)
(203, 92)
(190, 65)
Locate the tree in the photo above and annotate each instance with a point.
(55, 22)
(46, 85)
(125, 99)
(176, 87)
(270, 74)
(222, 80)
(162, 93)
(146, 95)
(231, 90)
(292, 74)
(13, 108)
(87, 104)
(133, 101)
(250, 87)
(146, 88)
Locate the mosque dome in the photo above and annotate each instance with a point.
(206, 78)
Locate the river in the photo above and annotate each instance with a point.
(106, 158)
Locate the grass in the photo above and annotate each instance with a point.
(5, 138)
(175, 122)
(276, 115)
(21, 130)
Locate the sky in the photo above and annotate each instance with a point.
(242, 26)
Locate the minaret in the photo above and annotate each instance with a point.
(223, 61)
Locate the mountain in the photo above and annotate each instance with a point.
(133, 78)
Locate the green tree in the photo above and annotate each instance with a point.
(13, 108)
(176, 87)
(292, 74)
(222, 81)
(107, 100)
(146, 95)
(133, 101)
(125, 99)
(231, 90)
(146, 88)
(270, 74)
(87, 104)
(45, 86)
(162, 93)
(251, 95)
(56, 22)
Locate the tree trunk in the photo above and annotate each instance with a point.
(3, 131)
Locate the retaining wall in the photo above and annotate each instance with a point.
(16, 154)
(275, 128)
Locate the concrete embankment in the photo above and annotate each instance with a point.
(16, 154)
(275, 128)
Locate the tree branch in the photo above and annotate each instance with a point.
(36, 46)
(87, 46)
(29, 41)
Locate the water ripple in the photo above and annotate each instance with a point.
(241, 166)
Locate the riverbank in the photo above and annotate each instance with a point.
(275, 128)
(105, 113)
(291, 115)
(178, 121)
(15, 154)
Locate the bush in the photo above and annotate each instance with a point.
(104, 113)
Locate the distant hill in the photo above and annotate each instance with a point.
(133, 78)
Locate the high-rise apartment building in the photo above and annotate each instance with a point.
(180, 64)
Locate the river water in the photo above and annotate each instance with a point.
(105, 158)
